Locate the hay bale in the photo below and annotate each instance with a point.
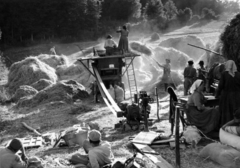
(41, 84)
(53, 60)
(181, 44)
(178, 58)
(230, 39)
(66, 91)
(177, 79)
(155, 37)
(24, 91)
(75, 71)
(27, 72)
(140, 48)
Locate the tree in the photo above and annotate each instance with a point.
(170, 10)
(125, 10)
(154, 9)
(184, 15)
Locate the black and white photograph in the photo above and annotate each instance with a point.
(119, 83)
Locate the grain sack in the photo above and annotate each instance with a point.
(119, 94)
(222, 154)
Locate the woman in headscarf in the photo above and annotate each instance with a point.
(204, 118)
(229, 92)
(123, 42)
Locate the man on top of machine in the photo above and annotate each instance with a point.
(110, 45)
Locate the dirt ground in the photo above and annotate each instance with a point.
(57, 116)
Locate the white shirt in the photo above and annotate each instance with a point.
(110, 43)
(100, 155)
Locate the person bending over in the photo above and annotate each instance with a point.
(9, 157)
(204, 118)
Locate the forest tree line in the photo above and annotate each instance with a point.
(33, 21)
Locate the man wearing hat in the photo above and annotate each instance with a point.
(110, 45)
(99, 152)
(9, 158)
(190, 74)
(201, 71)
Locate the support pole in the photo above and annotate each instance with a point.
(145, 104)
(177, 148)
(156, 93)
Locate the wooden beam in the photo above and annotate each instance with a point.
(155, 157)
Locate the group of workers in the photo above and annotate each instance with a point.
(210, 119)
(111, 46)
(98, 154)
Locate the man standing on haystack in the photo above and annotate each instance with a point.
(190, 74)
(166, 78)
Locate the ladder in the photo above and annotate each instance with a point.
(131, 77)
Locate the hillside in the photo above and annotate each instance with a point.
(56, 116)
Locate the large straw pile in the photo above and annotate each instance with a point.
(53, 60)
(27, 72)
(24, 91)
(155, 37)
(41, 84)
(230, 39)
(76, 72)
(66, 91)
(178, 58)
(181, 44)
(140, 48)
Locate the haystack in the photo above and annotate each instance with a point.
(230, 39)
(181, 44)
(140, 48)
(41, 84)
(155, 37)
(178, 58)
(76, 72)
(53, 60)
(66, 91)
(211, 58)
(24, 91)
(27, 72)
(176, 78)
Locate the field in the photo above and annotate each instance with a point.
(56, 116)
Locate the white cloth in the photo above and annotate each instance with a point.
(195, 85)
(110, 43)
(231, 67)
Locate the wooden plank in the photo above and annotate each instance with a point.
(145, 137)
(105, 57)
(32, 142)
(163, 141)
(105, 91)
(153, 156)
